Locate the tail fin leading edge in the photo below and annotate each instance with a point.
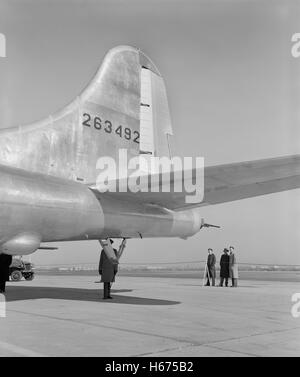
(123, 107)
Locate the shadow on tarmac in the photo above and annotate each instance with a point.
(19, 293)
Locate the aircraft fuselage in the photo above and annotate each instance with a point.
(36, 208)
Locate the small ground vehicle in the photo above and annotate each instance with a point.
(19, 269)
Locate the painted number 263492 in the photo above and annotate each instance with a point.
(107, 126)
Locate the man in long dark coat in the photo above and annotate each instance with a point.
(211, 268)
(224, 268)
(108, 269)
(5, 262)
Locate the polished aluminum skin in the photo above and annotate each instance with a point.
(48, 169)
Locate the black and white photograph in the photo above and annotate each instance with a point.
(149, 181)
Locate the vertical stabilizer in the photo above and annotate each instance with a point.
(123, 107)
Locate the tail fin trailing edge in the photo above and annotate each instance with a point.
(107, 116)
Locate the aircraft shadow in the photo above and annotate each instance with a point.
(78, 294)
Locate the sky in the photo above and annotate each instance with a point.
(233, 91)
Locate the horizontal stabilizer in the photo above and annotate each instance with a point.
(226, 183)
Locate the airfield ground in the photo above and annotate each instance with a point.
(150, 316)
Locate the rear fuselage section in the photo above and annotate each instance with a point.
(36, 208)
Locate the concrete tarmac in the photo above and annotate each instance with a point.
(148, 316)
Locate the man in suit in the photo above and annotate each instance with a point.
(108, 268)
(224, 268)
(233, 267)
(5, 262)
(211, 268)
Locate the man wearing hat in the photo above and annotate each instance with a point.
(224, 268)
(108, 268)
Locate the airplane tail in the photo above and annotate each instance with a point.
(123, 107)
